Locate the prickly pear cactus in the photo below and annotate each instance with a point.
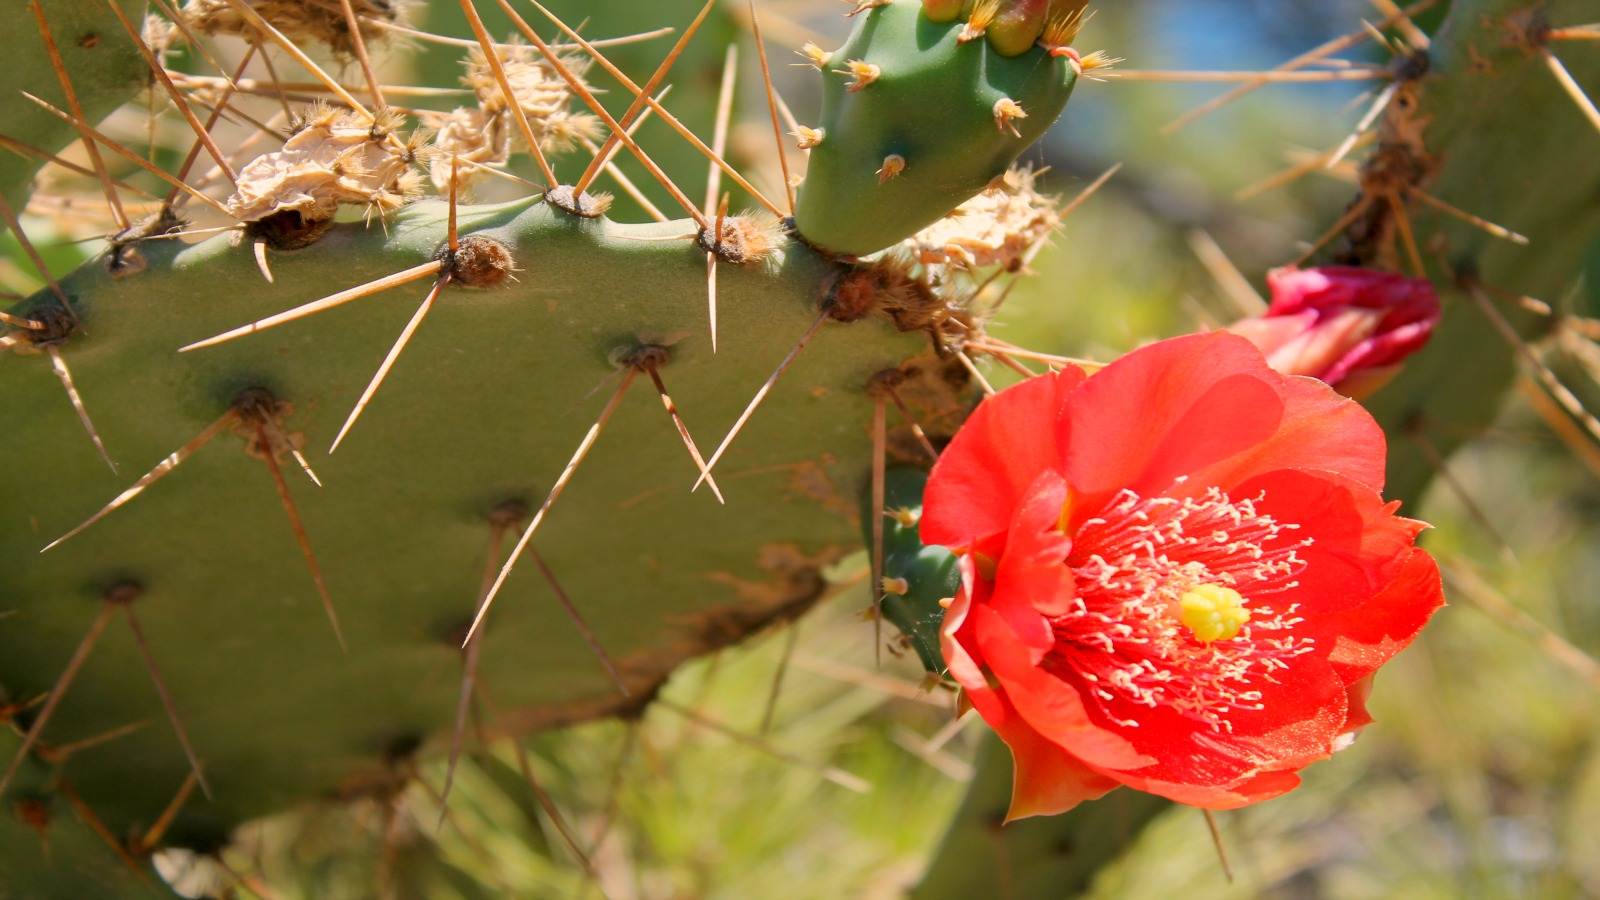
(85, 35)
(917, 116)
(916, 577)
(573, 452)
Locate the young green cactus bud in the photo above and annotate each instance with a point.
(931, 103)
(942, 10)
(1016, 25)
(917, 579)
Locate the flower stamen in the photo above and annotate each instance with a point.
(1160, 617)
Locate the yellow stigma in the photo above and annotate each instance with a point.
(1213, 612)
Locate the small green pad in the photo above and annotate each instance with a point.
(931, 573)
(933, 105)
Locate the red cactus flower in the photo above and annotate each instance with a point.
(1347, 326)
(1179, 574)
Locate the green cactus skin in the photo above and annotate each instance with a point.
(105, 69)
(67, 860)
(933, 106)
(1016, 27)
(942, 10)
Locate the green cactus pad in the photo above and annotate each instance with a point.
(486, 405)
(104, 67)
(933, 106)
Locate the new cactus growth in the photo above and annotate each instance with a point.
(916, 120)
(572, 452)
(917, 579)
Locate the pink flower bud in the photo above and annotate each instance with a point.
(1349, 327)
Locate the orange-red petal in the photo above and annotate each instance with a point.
(1164, 412)
(1353, 543)
(1052, 705)
(1366, 637)
(993, 459)
(1046, 779)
